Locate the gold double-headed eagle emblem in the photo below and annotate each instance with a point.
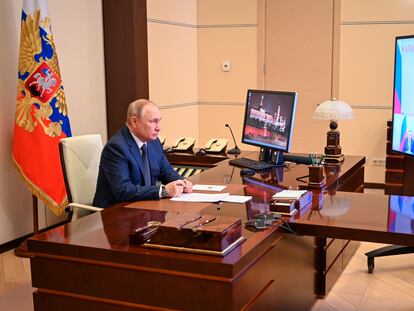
(42, 80)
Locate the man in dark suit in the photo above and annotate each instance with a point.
(408, 145)
(133, 161)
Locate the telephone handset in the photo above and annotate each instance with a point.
(183, 143)
(162, 139)
(216, 145)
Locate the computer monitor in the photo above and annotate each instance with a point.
(403, 105)
(268, 122)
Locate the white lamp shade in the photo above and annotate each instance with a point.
(333, 110)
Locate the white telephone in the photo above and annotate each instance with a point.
(216, 145)
(183, 143)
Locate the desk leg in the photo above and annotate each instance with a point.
(320, 267)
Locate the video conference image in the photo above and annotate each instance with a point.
(401, 213)
(403, 111)
(268, 119)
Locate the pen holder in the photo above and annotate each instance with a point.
(316, 177)
(317, 199)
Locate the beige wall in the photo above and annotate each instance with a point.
(226, 34)
(77, 29)
(172, 60)
(188, 41)
(299, 57)
(368, 33)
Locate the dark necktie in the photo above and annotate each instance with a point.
(145, 166)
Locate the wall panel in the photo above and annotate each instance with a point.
(172, 62)
(298, 57)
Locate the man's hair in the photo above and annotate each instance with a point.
(136, 108)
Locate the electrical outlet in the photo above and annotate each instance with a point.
(378, 161)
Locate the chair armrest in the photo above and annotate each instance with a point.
(83, 206)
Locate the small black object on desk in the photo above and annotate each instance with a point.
(247, 172)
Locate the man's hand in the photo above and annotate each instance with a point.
(175, 188)
(188, 186)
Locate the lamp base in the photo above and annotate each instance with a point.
(316, 185)
(333, 158)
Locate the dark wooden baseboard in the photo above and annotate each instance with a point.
(374, 185)
(16, 242)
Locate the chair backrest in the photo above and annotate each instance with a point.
(80, 157)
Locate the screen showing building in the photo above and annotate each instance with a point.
(269, 118)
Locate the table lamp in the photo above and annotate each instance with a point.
(333, 110)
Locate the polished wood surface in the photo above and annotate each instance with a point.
(347, 177)
(334, 254)
(361, 217)
(94, 261)
(190, 158)
(90, 262)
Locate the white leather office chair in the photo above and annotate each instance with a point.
(80, 157)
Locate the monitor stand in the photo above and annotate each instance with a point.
(272, 156)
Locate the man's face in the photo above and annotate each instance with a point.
(147, 126)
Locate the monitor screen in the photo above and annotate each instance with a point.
(403, 106)
(268, 119)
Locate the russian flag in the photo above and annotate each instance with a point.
(41, 118)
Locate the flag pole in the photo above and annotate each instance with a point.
(35, 214)
(21, 250)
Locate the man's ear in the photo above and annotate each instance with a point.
(134, 121)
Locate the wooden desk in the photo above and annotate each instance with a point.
(359, 217)
(349, 176)
(89, 264)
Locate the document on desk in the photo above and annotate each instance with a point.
(200, 197)
(208, 187)
(208, 197)
(237, 198)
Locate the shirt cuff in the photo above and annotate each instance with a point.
(160, 192)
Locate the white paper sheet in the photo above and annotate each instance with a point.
(208, 187)
(237, 198)
(208, 197)
(200, 197)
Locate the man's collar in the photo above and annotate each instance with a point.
(137, 140)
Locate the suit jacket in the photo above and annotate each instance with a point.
(120, 175)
